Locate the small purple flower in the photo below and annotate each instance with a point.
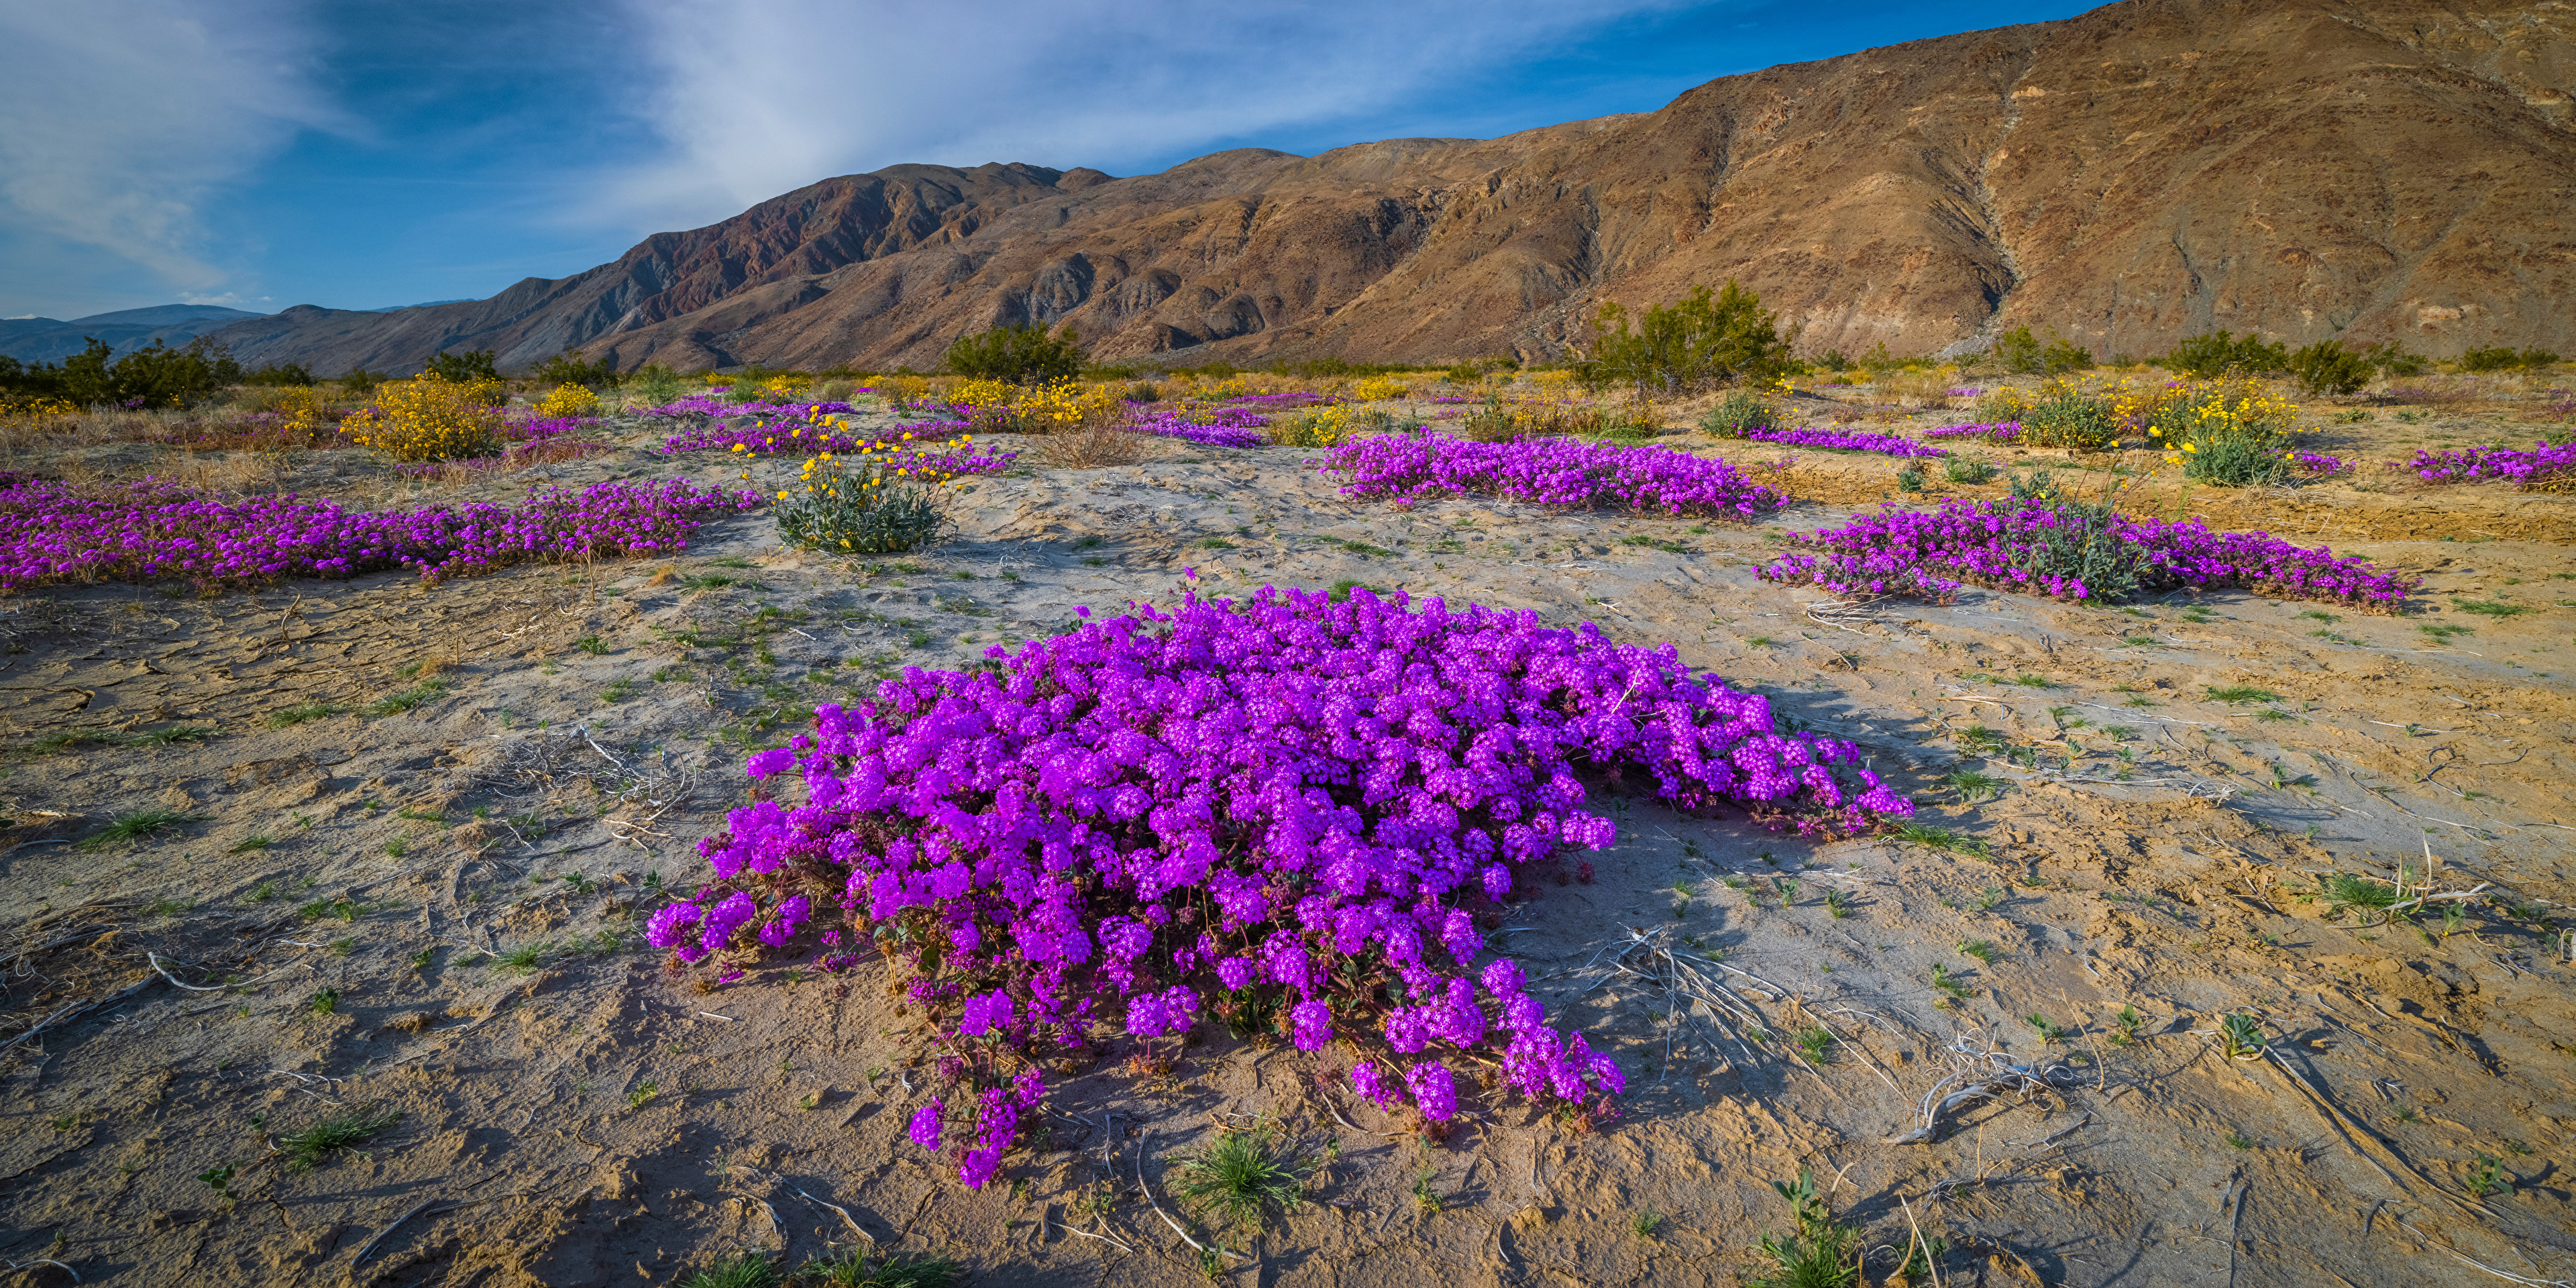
(925, 1125)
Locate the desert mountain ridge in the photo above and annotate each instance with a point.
(2364, 169)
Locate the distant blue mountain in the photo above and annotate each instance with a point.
(126, 330)
(396, 308)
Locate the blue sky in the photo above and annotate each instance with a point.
(262, 153)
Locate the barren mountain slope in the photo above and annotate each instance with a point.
(2392, 170)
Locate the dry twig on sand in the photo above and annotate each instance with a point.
(1986, 1075)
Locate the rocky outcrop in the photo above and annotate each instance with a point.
(2154, 168)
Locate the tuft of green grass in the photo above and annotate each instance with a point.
(2346, 890)
(2489, 608)
(2440, 632)
(741, 1270)
(410, 699)
(643, 1094)
(525, 957)
(126, 829)
(1981, 949)
(1978, 740)
(314, 1144)
(1646, 1222)
(592, 645)
(853, 1270)
(1949, 983)
(2241, 693)
(1342, 589)
(1972, 785)
(250, 843)
(1242, 1173)
(2238, 1139)
(326, 1002)
(1939, 838)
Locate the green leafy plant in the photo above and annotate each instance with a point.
(2240, 1037)
(2219, 353)
(1425, 1198)
(1646, 1222)
(1815, 1043)
(1949, 983)
(1964, 469)
(1022, 355)
(1693, 342)
(1909, 479)
(1740, 412)
(2328, 368)
(1822, 1254)
(2125, 1026)
(2489, 1177)
(1983, 950)
(2065, 416)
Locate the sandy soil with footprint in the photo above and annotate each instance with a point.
(436, 910)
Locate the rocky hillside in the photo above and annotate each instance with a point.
(2398, 169)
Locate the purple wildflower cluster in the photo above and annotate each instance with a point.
(1283, 799)
(151, 529)
(2544, 468)
(1931, 553)
(1842, 441)
(720, 409)
(808, 438)
(1552, 471)
(1221, 427)
(2002, 431)
(2319, 464)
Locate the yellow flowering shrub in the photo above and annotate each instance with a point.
(429, 419)
(568, 400)
(34, 407)
(2232, 431)
(876, 498)
(1376, 387)
(1321, 427)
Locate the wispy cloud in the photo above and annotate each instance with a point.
(125, 116)
(758, 97)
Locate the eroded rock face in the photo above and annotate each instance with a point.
(2391, 171)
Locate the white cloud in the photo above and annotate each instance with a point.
(125, 116)
(760, 97)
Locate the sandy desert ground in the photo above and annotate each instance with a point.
(436, 910)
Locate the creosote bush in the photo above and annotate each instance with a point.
(1282, 807)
